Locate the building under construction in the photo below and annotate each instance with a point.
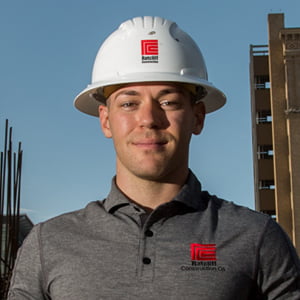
(275, 99)
(14, 227)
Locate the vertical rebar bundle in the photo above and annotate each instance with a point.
(10, 186)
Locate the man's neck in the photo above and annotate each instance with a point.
(149, 193)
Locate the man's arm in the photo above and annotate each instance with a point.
(27, 279)
(278, 265)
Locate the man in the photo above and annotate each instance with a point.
(156, 235)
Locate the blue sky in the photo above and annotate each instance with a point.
(47, 52)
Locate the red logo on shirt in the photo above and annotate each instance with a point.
(149, 47)
(203, 252)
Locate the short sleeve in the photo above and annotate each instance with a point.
(278, 265)
(26, 281)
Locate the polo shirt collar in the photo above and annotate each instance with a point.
(115, 199)
(189, 195)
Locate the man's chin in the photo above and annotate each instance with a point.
(157, 175)
(150, 174)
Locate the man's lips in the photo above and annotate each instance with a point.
(150, 143)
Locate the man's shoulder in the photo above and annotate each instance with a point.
(233, 220)
(235, 213)
(73, 220)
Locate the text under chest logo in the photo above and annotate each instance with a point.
(203, 252)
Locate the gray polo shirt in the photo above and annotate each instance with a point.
(195, 247)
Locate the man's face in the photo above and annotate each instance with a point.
(151, 126)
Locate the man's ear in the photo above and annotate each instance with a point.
(104, 121)
(199, 111)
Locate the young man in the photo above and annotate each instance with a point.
(156, 235)
(151, 125)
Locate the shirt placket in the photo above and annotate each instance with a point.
(147, 252)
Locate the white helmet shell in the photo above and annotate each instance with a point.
(147, 49)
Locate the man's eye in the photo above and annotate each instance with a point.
(170, 104)
(128, 105)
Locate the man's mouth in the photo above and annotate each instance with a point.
(150, 144)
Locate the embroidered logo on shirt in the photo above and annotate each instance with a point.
(203, 252)
(203, 258)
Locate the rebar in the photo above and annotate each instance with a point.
(10, 187)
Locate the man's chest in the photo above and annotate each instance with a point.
(165, 261)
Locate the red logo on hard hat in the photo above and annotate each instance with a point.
(149, 47)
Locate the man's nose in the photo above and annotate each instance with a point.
(151, 115)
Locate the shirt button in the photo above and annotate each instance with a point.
(146, 260)
(149, 233)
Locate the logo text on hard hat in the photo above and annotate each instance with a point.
(149, 51)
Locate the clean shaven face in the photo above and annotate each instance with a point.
(151, 126)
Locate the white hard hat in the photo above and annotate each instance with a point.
(148, 49)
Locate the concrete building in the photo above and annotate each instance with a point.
(275, 100)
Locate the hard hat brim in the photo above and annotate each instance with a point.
(87, 103)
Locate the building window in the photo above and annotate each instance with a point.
(265, 152)
(262, 82)
(266, 185)
(263, 117)
(271, 213)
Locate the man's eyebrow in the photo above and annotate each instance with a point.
(171, 90)
(127, 93)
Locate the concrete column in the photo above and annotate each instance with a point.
(279, 124)
(291, 48)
